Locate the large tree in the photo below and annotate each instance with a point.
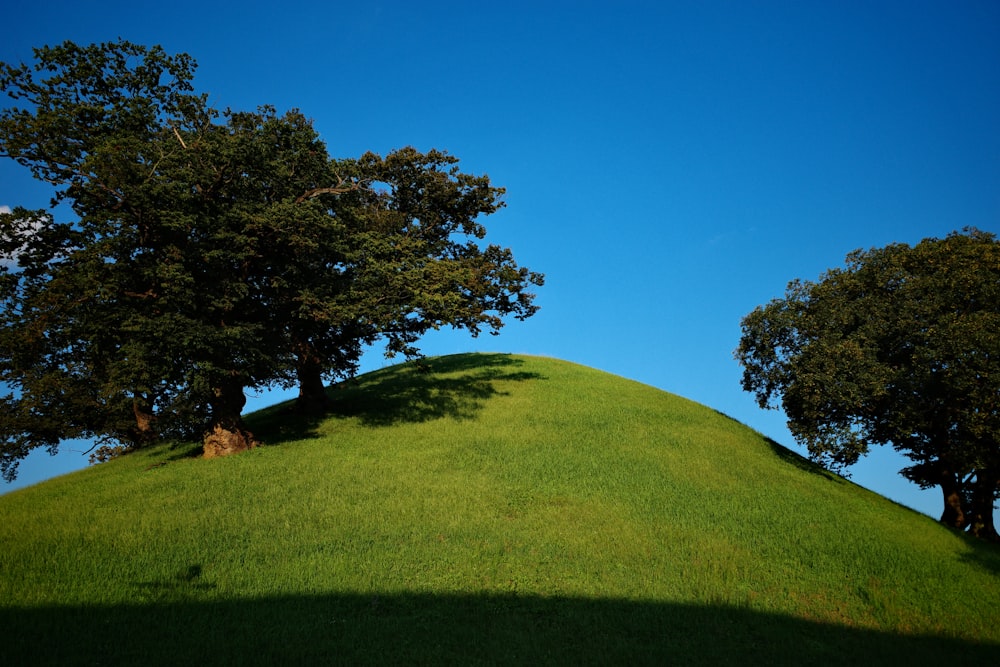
(212, 252)
(900, 347)
(103, 129)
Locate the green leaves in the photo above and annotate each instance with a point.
(901, 347)
(215, 251)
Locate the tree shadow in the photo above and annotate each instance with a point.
(982, 554)
(453, 629)
(454, 387)
(178, 587)
(284, 423)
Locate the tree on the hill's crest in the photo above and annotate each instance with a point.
(901, 347)
(213, 252)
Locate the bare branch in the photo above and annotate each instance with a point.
(148, 294)
(178, 135)
(338, 189)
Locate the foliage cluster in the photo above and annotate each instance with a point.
(900, 347)
(213, 251)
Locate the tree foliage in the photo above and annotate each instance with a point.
(213, 251)
(900, 347)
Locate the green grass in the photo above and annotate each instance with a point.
(496, 510)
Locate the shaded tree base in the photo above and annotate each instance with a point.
(312, 404)
(984, 530)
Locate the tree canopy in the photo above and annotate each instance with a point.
(213, 251)
(900, 347)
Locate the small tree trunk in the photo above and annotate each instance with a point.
(309, 372)
(227, 434)
(983, 496)
(145, 431)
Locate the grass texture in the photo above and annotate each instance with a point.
(486, 509)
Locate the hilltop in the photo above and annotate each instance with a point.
(486, 509)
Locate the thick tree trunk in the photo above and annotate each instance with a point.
(954, 514)
(953, 490)
(981, 522)
(309, 373)
(227, 434)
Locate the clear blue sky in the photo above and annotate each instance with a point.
(669, 165)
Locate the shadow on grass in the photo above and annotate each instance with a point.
(177, 588)
(985, 555)
(455, 387)
(383, 629)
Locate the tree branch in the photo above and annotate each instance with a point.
(148, 294)
(338, 189)
(179, 138)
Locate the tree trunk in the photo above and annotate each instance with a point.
(983, 496)
(227, 434)
(144, 431)
(954, 514)
(312, 393)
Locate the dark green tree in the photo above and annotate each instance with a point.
(356, 251)
(900, 347)
(83, 363)
(213, 252)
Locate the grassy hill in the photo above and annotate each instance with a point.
(495, 510)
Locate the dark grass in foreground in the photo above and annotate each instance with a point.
(407, 629)
(495, 510)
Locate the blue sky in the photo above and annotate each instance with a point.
(669, 165)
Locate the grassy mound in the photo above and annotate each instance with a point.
(487, 509)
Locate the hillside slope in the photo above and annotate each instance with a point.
(494, 509)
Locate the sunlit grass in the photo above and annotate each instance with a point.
(494, 478)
